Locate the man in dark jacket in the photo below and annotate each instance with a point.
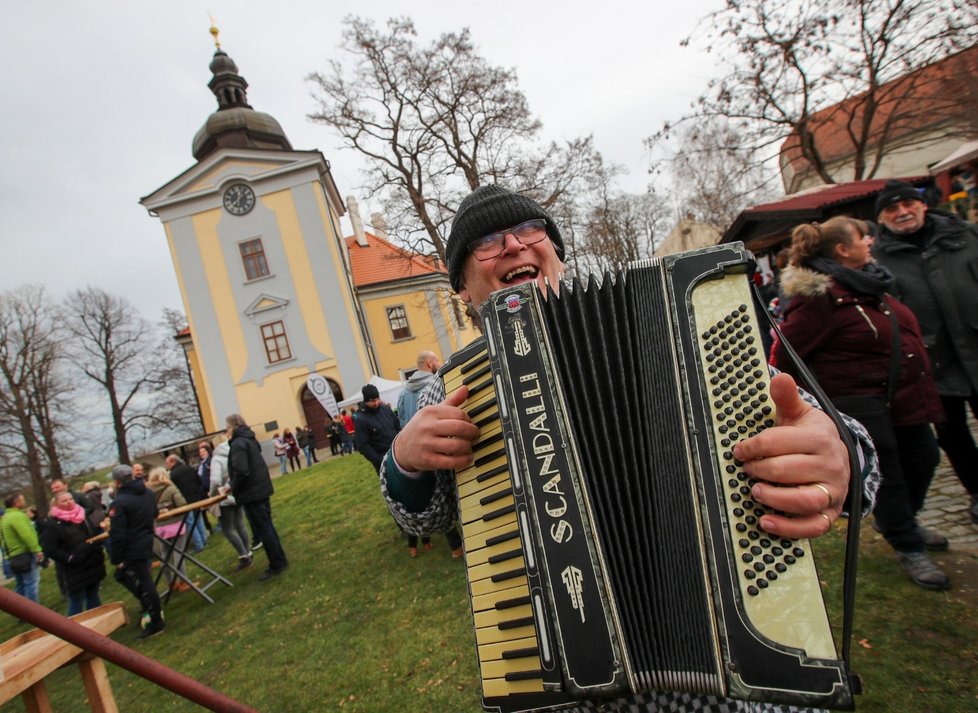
(131, 515)
(251, 486)
(189, 484)
(376, 427)
(934, 257)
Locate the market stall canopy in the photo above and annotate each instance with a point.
(389, 392)
(966, 152)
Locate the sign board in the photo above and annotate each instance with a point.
(321, 389)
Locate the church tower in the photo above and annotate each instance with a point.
(254, 234)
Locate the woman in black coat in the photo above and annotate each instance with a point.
(81, 564)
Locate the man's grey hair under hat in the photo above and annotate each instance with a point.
(486, 210)
(122, 472)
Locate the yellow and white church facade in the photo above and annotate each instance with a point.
(270, 284)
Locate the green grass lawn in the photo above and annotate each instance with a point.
(356, 625)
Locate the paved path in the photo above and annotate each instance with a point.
(946, 507)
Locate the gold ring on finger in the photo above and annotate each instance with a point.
(827, 493)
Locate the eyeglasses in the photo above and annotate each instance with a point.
(528, 233)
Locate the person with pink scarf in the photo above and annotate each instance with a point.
(80, 563)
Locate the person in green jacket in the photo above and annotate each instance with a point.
(19, 536)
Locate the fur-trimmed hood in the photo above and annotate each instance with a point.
(798, 281)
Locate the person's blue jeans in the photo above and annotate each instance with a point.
(308, 451)
(83, 600)
(259, 516)
(282, 469)
(198, 533)
(28, 583)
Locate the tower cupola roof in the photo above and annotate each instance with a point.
(235, 124)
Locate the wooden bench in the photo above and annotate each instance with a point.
(28, 658)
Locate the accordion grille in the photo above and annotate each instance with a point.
(624, 403)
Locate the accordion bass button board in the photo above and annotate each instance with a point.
(611, 543)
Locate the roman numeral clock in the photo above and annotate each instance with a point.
(239, 199)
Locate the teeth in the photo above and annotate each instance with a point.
(519, 271)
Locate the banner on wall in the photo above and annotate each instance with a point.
(321, 389)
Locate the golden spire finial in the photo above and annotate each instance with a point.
(214, 31)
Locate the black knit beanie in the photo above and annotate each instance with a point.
(485, 210)
(894, 192)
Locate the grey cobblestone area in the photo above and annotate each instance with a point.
(946, 507)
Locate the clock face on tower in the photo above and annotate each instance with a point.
(239, 199)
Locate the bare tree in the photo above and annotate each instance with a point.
(803, 67)
(622, 228)
(713, 174)
(436, 122)
(33, 392)
(116, 350)
(174, 406)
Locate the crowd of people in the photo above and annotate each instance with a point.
(288, 446)
(130, 524)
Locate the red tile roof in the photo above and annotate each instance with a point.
(816, 199)
(926, 90)
(383, 262)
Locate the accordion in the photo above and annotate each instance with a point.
(611, 543)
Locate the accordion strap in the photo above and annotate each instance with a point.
(855, 487)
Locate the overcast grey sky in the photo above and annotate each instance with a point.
(101, 99)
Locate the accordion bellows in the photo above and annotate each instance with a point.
(610, 540)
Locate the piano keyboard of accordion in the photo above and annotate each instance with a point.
(611, 544)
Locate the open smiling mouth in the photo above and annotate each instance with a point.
(520, 274)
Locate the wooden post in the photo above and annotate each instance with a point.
(97, 685)
(36, 699)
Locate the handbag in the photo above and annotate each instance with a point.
(18, 564)
(22, 563)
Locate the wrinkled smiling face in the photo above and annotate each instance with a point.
(904, 217)
(516, 263)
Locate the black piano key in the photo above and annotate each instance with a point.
(514, 602)
(523, 675)
(502, 557)
(511, 574)
(479, 462)
(515, 623)
(482, 408)
(475, 363)
(506, 536)
(521, 653)
(487, 421)
(473, 390)
(477, 375)
(492, 473)
(495, 497)
(486, 443)
(498, 513)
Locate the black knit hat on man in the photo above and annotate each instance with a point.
(370, 392)
(486, 210)
(895, 191)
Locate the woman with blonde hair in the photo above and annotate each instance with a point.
(81, 563)
(168, 497)
(865, 348)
